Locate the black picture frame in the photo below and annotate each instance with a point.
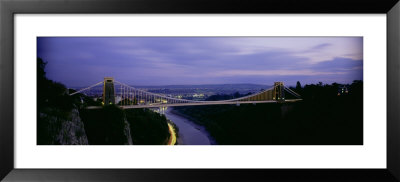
(8, 8)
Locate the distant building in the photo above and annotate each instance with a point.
(108, 91)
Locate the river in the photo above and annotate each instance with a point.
(189, 132)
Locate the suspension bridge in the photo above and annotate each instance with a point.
(131, 97)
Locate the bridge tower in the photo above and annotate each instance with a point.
(108, 91)
(279, 91)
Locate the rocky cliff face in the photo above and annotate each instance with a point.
(63, 128)
(127, 132)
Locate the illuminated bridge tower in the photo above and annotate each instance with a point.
(108, 91)
(279, 91)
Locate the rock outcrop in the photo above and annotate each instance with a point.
(63, 128)
(127, 132)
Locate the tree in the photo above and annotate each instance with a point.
(298, 86)
(49, 93)
(236, 95)
(40, 68)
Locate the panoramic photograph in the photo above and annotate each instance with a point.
(199, 90)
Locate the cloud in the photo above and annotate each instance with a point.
(174, 60)
(320, 46)
(339, 64)
(274, 73)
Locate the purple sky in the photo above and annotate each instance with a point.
(82, 61)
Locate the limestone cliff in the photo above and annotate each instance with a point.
(127, 132)
(62, 128)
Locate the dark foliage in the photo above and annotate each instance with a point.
(147, 127)
(104, 126)
(298, 87)
(322, 118)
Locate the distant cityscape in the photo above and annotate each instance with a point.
(190, 92)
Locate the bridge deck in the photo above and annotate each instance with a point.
(195, 104)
